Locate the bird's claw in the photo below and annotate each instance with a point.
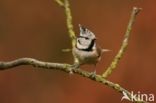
(72, 67)
(75, 66)
(93, 74)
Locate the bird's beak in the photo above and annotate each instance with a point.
(105, 50)
(95, 38)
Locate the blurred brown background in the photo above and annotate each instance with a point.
(37, 29)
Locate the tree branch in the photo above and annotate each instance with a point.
(69, 24)
(124, 45)
(33, 62)
(63, 67)
(60, 2)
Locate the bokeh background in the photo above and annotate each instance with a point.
(37, 29)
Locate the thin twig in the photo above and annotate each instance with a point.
(63, 67)
(60, 2)
(124, 45)
(69, 22)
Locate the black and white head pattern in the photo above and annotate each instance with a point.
(84, 32)
(86, 39)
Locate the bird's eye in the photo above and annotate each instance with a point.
(78, 41)
(86, 38)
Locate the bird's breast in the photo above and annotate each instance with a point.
(86, 57)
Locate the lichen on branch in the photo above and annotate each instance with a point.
(124, 45)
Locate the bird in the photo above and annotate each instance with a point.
(86, 49)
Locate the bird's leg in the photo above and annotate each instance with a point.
(76, 65)
(93, 74)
